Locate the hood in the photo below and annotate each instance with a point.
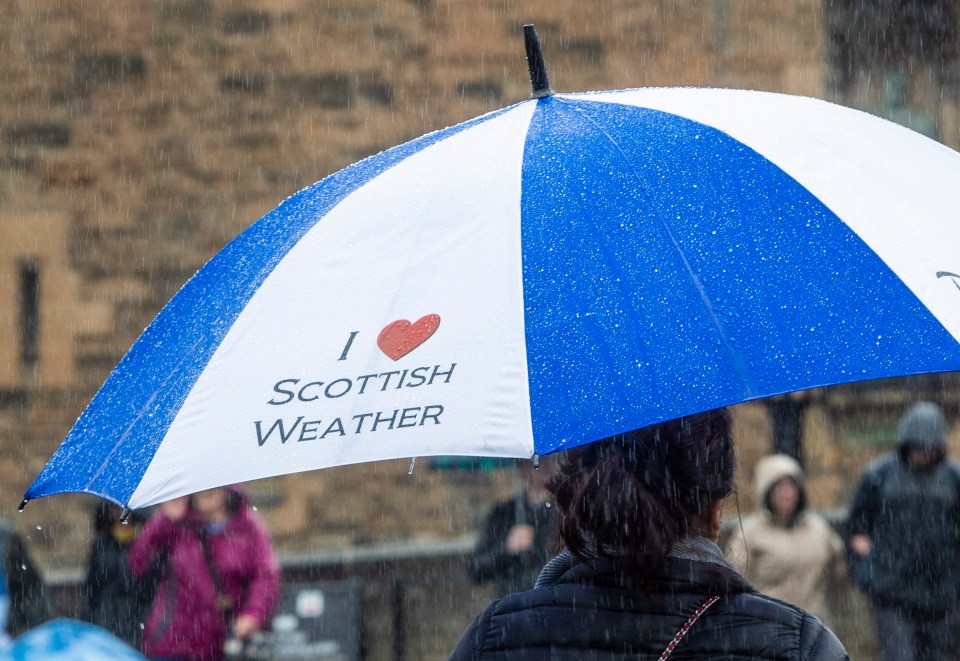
(922, 427)
(769, 470)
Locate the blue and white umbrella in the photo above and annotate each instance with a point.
(567, 268)
(63, 639)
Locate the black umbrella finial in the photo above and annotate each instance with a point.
(538, 70)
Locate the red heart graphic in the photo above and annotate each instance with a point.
(400, 337)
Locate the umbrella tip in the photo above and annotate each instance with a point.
(23, 503)
(538, 69)
(124, 514)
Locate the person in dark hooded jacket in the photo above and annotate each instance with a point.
(116, 599)
(641, 575)
(905, 526)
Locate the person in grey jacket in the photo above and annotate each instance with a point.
(904, 527)
(641, 575)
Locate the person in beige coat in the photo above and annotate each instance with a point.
(783, 549)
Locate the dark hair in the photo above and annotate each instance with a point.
(105, 514)
(634, 495)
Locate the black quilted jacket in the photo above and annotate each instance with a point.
(587, 613)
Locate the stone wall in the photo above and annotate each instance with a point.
(137, 139)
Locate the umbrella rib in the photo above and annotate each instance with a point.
(140, 414)
(737, 363)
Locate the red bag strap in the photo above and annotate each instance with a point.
(686, 627)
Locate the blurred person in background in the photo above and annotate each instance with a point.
(117, 600)
(24, 602)
(219, 578)
(904, 533)
(515, 542)
(783, 549)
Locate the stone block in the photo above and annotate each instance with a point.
(99, 349)
(587, 50)
(490, 90)
(805, 80)
(38, 134)
(153, 115)
(246, 22)
(415, 51)
(12, 399)
(19, 162)
(68, 94)
(376, 93)
(93, 68)
(194, 11)
(551, 28)
(332, 89)
(70, 173)
(114, 290)
(244, 83)
(950, 124)
(257, 140)
(168, 226)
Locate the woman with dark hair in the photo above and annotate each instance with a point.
(641, 575)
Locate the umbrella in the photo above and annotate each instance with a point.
(546, 275)
(69, 640)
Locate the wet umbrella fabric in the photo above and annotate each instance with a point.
(540, 277)
(68, 640)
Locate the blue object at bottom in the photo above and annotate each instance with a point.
(69, 640)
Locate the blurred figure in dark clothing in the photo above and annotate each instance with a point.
(116, 599)
(29, 604)
(904, 532)
(515, 542)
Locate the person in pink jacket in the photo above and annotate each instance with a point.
(219, 576)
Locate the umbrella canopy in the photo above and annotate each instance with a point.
(567, 268)
(69, 640)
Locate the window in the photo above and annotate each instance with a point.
(29, 314)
